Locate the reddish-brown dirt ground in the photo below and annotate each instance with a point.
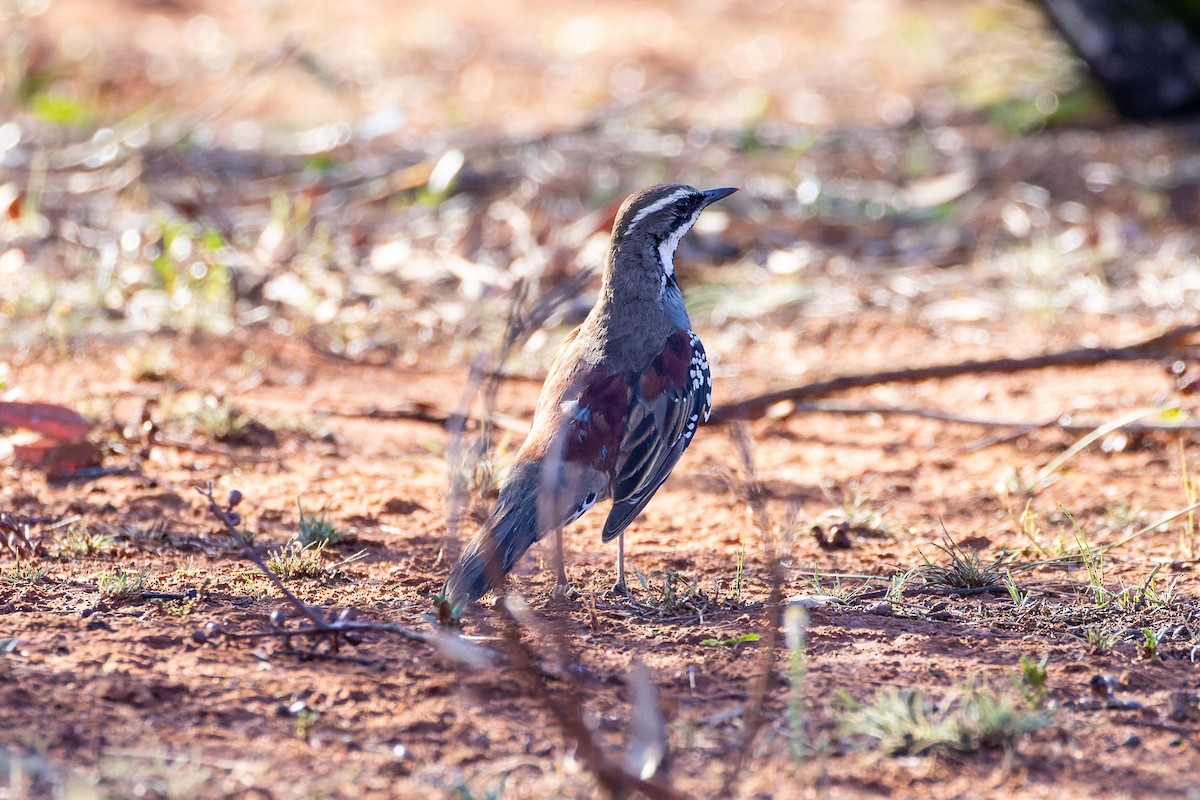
(891, 215)
(123, 683)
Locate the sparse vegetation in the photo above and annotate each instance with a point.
(730, 642)
(294, 559)
(1098, 641)
(81, 540)
(676, 595)
(1150, 642)
(855, 509)
(835, 585)
(152, 362)
(298, 560)
(122, 584)
(221, 420)
(315, 530)
(965, 569)
(910, 722)
(1093, 562)
(1032, 683)
(23, 575)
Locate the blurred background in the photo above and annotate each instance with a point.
(365, 173)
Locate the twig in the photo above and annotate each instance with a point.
(614, 780)
(189, 595)
(1148, 349)
(937, 591)
(1061, 422)
(342, 657)
(334, 629)
(1187, 733)
(762, 683)
(231, 519)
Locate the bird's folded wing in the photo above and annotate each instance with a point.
(662, 420)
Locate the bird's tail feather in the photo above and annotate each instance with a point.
(509, 531)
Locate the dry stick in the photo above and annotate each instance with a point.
(458, 452)
(421, 412)
(229, 518)
(1060, 422)
(1155, 347)
(753, 718)
(937, 591)
(614, 780)
(486, 381)
(321, 627)
(1187, 733)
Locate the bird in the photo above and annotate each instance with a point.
(621, 402)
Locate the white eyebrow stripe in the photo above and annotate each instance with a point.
(658, 205)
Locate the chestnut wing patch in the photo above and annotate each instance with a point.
(669, 402)
(576, 440)
(593, 424)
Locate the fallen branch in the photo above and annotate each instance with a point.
(1062, 422)
(1154, 348)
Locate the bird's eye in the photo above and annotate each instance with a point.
(682, 204)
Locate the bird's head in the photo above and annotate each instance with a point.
(649, 226)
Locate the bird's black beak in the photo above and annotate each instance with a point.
(713, 195)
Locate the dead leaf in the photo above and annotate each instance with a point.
(53, 422)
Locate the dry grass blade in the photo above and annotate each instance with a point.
(484, 380)
(1060, 422)
(1174, 515)
(648, 746)
(1045, 475)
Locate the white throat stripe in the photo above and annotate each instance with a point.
(666, 250)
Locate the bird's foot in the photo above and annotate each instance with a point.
(619, 589)
(563, 591)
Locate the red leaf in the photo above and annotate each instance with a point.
(55, 422)
(59, 458)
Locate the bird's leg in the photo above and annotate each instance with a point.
(562, 587)
(619, 587)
